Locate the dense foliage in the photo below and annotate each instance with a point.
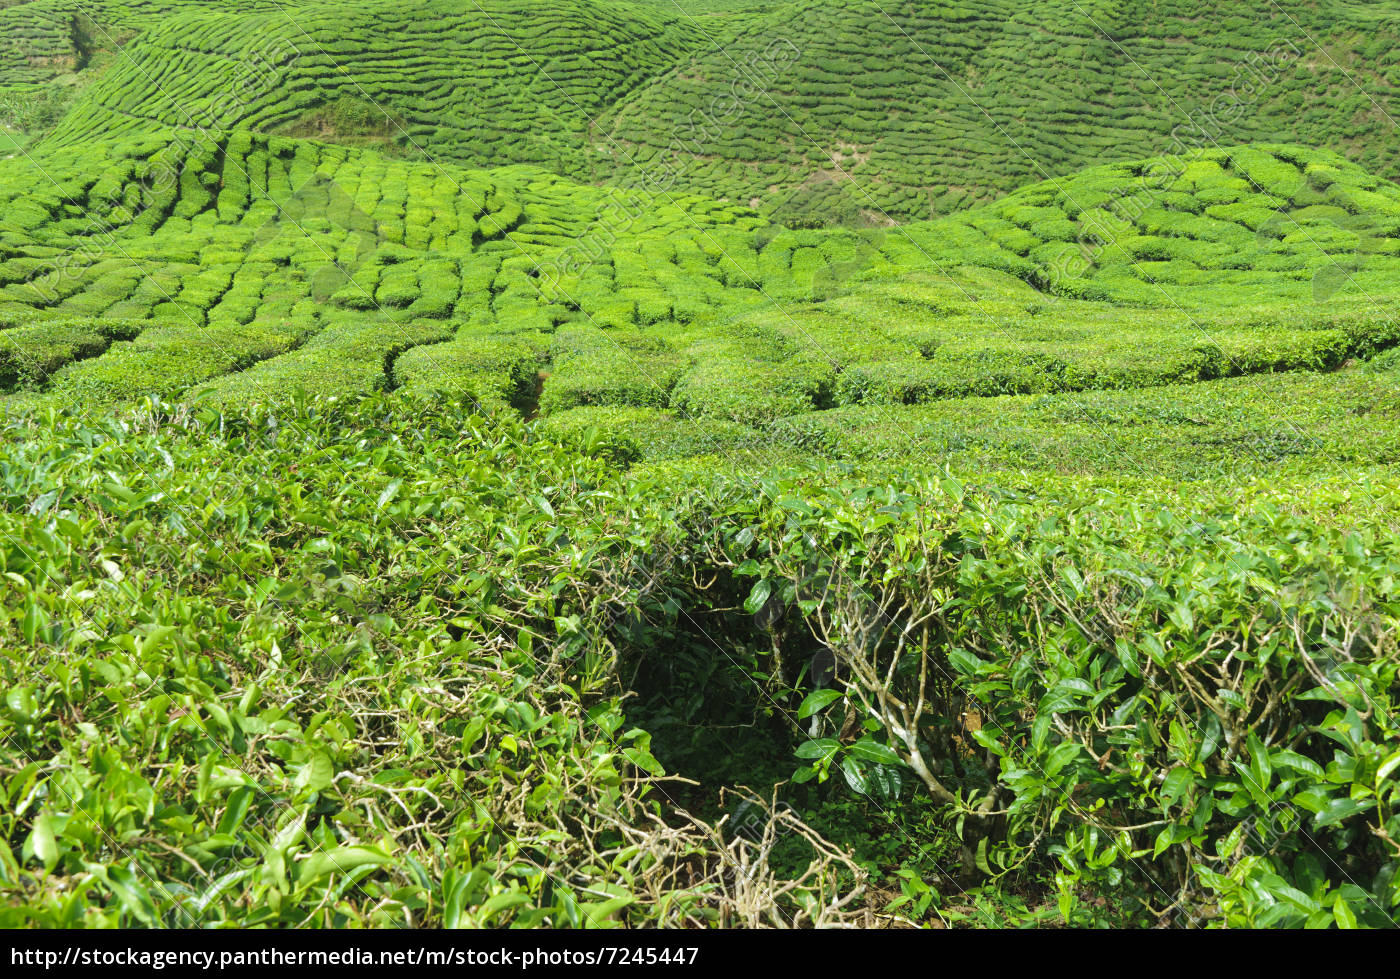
(857, 111)
(510, 464)
(365, 663)
(351, 693)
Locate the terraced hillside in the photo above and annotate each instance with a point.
(434, 77)
(879, 111)
(46, 39)
(224, 255)
(250, 267)
(857, 111)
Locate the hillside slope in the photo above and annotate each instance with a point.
(850, 111)
(896, 110)
(483, 84)
(249, 267)
(44, 39)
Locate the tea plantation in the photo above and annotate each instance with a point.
(951, 479)
(856, 111)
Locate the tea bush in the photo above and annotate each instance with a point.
(424, 445)
(337, 701)
(1195, 713)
